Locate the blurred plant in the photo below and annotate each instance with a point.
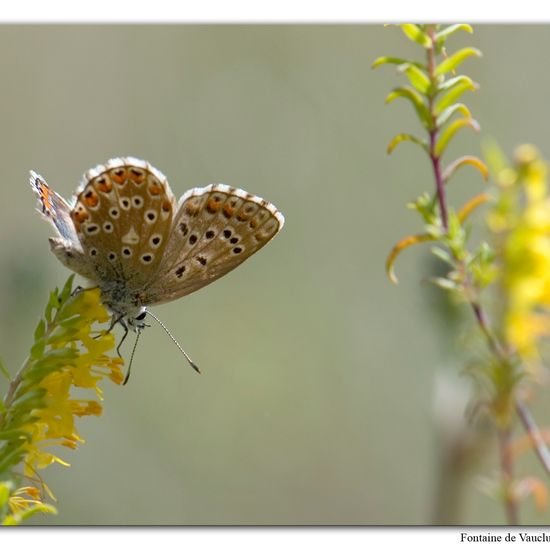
(38, 411)
(509, 277)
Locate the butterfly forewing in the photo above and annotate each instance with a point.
(214, 230)
(54, 208)
(123, 215)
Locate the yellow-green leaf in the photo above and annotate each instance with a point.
(452, 62)
(416, 34)
(455, 81)
(401, 245)
(399, 138)
(416, 99)
(417, 77)
(5, 371)
(18, 518)
(395, 61)
(443, 34)
(451, 130)
(450, 111)
(464, 161)
(452, 95)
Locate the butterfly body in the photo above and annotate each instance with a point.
(125, 232)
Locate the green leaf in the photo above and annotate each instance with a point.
(5, 371)
(452, 95)
(450, 111)
(5, 490)
(8, 435)
(53, 303)
(452, 62)
(67, 289)
(451, 130)
(445, 284)
(416, 34)
(29, 400)
(61, 355)
(443, 255)
(63, 332)
(416, 99)
(22, 419)
(425, 205)
(455, 81)
(396, 61)
(417, 77)
(399, 138)
(40, 329)
(443, 34)
(37, 349)
(10, 459)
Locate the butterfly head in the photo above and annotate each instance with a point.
(137, 323)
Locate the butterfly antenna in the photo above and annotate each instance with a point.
(174, 340)
(127, 377)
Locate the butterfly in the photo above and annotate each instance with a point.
(124, 231)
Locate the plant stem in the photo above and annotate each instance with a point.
(541, 450)
(433, 132)
(14, 384)
(504, 432)
(507, 475)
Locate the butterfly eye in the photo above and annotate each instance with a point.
(141, 316)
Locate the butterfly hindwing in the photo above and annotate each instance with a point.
(215, 229)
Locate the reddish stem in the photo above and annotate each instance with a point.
(435, 160)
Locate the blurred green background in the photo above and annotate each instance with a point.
(328, 396)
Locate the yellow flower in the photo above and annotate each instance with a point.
(40, 409)
(521, 219)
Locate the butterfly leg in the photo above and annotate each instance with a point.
(126, 330)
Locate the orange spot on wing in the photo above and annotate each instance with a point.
(191, 209)
(45, 194)
(136, 175)
(166, 206)
(103, 184)
(213, 206)
(228, 210)
(79, 215)
(91, 199)
(118, 175)
(155, 188)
